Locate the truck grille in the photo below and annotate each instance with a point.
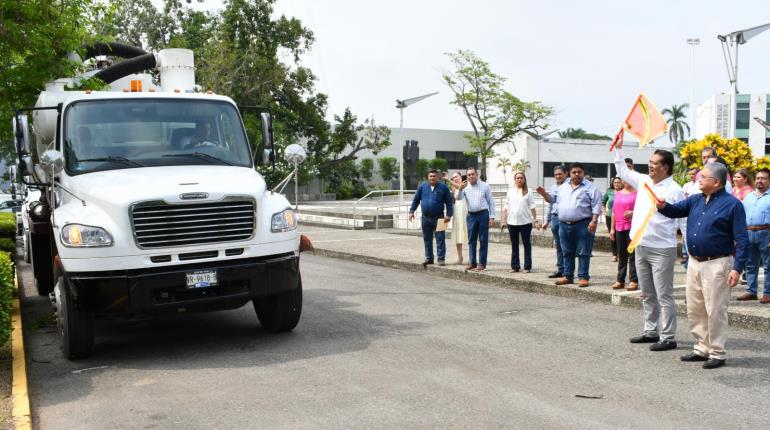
(159, 224)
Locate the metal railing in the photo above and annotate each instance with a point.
(378, 208)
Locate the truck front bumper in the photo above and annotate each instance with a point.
(164, 289)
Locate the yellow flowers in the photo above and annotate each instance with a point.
(736, 153)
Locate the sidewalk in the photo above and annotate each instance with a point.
(398, 249)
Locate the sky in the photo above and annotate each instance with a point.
(587, 59)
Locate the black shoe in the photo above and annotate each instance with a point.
(426, 263)
(645, 338)
(663, 345)
(555, 275)
(441, 263)
(713, 363)
(693, 356)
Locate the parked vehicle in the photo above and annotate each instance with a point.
(150, 202)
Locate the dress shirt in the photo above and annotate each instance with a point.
(714, 228)
(432, 200)
(661, 231)
(478, 197)
(757, 207)
(553, 206)
(691, 188)
(607, 199)
(578, 203)
(519, 207)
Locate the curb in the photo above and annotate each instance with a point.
(629, 300)
(22, 418)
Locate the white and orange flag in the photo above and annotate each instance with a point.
(645, 121)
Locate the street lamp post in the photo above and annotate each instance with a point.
(730, 43)
(401, 105)
(693, 42)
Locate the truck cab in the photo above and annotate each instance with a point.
(150, 203)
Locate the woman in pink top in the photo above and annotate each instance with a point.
(742, 184)
(622, 211)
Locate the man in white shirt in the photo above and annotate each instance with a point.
(656, 252)
(481, 216)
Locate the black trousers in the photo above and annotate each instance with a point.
(608, 221)
(626, 263)
(526, 235)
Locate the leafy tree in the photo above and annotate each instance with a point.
(35, 38)
(347, 139)
(736, 153)
(423, 166)
(366, 168)
(439, 164)
(677, 126)
(495, 115)
(388, 168)
(579, 133)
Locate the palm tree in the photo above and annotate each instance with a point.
(521, 166)
(676, 122)
(504, 163)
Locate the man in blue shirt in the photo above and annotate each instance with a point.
(580, 205)
(433, 196)
(757, 206)
(716, 225)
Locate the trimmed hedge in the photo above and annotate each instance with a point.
(8, 225)
(6, 295)
(7, 245)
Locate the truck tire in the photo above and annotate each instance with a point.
(280, 313)
(76, 327)
(44, 286)
(27, 253)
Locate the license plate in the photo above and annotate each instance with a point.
(202, 279)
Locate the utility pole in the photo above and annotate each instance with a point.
(693, 42)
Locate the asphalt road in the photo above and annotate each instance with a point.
(383, 348)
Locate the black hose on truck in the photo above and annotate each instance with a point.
(127, 67)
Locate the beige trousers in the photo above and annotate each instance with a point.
(707, 298)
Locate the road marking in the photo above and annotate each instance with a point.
(79, 371)
(19, 392)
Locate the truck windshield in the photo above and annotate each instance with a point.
(123, 134)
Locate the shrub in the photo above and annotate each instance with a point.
(736, 153)
(8, 225)
(6, 295)
(365, 168)
(7, 245)
(439, 164)
(388, 168)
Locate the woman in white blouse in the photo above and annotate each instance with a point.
(519, 212)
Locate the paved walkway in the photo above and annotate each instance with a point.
(394, 248)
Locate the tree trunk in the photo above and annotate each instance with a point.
(483, 172)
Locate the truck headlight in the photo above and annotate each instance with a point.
(283, 221)
(85, 236)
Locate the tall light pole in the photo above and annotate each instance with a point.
(401, 105)
(730, 43)
(693, 42)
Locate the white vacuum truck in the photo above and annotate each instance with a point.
(150, 202)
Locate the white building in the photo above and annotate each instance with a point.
(541, 156)
(714, 116)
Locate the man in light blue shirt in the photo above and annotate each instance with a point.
(580, 205)
(481, 216)
(757, 207)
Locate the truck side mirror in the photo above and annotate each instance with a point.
(21, 133)
(268, 155)
(52, 160)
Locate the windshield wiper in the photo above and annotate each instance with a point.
(122, 160)
(201, 155)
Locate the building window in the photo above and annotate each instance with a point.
(641, 168)
(767, 145)
(458, 160)
(742, 116)
(767, 113)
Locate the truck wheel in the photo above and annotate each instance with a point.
(76, 327)
(280, 313)
(27, 253)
